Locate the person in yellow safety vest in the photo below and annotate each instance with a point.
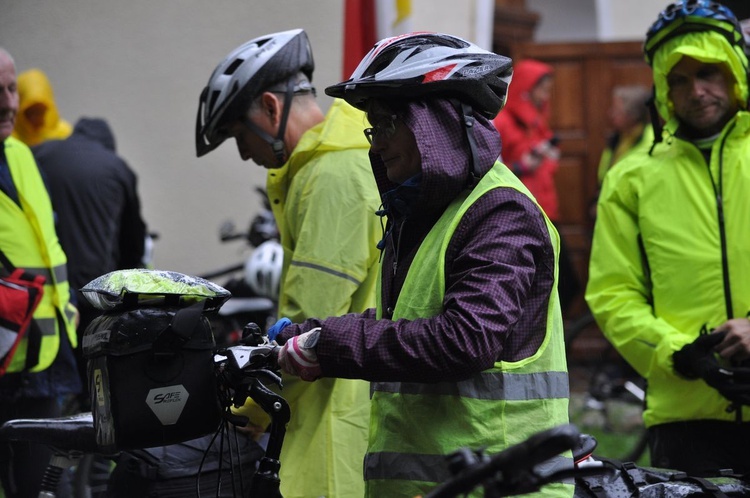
(43, 368)
(669, 260)
(324, 201)
(38, 119)
(465, 346)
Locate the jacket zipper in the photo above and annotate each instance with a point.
(396, 245)
(718, 192)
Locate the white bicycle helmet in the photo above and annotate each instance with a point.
(263, 269)
(424, 64)
(246, 72)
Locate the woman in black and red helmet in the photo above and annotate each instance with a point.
(465, 347)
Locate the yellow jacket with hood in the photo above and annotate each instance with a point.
(34, 88)
(669, 256)
(324, 200)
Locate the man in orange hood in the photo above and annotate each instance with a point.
(38, 119)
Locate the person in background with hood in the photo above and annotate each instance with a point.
(669, 277)
(465, 346)
(99, 222)
(529, 145)
(530, 151)
(324, 201)
(38, 119)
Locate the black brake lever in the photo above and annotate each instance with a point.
(272, 377)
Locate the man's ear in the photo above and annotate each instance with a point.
(271, 107)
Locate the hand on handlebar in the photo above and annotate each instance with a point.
(277, 327)
(298, 357)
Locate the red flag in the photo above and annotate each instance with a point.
(360, 26)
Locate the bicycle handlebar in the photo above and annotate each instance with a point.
(512, 471)
(240, 370)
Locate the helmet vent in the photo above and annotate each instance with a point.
(233, 66)
(214, 96)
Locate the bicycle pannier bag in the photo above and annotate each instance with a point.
(150, 361)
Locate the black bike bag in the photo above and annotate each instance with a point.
(151, 377)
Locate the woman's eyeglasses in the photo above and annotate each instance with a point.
(385, 128)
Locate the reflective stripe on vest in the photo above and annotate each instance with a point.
(57, 274)
(491, 385)
(414, 426)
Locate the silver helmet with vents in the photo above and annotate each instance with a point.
(247, 71)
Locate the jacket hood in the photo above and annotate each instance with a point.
(526, 75)
(705, 46)
(444, 150)
(341, 130)
(96, 129)
(35, 88)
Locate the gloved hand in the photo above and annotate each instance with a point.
(277, 327)
(298, 357)
(697, 359)
(733, 383)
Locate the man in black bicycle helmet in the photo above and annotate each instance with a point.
(465, 346)
(669, 260)
(324, 199)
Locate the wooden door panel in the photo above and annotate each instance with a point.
(570, 188)
(567, 104)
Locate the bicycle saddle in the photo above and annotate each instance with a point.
(74, 433)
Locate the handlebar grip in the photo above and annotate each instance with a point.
(536, 449)
(253, 358)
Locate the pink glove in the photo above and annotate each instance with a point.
(297, 356)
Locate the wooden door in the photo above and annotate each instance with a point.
(585, 74)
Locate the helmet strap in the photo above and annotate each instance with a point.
(277, 144)
(467, 116)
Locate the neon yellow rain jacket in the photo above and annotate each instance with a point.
(324, 200)
(670, 251)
